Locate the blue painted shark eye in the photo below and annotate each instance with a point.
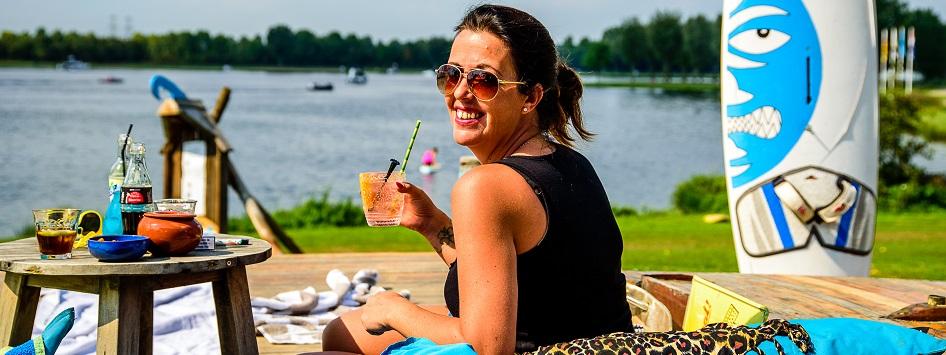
(759, 41)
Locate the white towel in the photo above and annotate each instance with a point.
(185, 320)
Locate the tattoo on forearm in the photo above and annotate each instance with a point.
(446, 236)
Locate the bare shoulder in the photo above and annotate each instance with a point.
(496, 182)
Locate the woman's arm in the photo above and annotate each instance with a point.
(494, 208)
(422, 216)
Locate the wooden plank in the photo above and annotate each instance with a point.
(161, 282)
(234, 315)
(119, 324)
(22, 256)
(421, 273)
(673, 297)
(17, 310)
(146, 323)
(793, 297)
(87, 284)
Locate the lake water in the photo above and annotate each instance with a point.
(59, 129)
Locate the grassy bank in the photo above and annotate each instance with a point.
(907, 245)
(933, 114)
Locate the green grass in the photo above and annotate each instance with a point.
(933, 115)
(911, 245)
(908, 245)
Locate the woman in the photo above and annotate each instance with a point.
(533, 248)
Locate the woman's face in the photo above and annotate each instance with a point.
(484, 125)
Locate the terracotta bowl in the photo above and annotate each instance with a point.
(171, 233)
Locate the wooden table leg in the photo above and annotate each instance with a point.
(17, 309)
(145, 324)
(120, 316)
(234, 315)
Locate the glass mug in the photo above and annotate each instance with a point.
(56, 231)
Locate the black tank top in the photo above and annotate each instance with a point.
(570, 284)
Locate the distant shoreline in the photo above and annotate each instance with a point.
(266, 68)
(696, 88)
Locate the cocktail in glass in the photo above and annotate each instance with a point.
(382, 203)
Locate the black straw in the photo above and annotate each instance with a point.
(124, 145)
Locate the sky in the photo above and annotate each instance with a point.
(382, 20)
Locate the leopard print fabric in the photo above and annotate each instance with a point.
(716, 339)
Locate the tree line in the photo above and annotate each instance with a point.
(281, 46)
(666, 43)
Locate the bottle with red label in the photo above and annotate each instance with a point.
(136, 190)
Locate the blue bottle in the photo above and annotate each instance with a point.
(113, 214)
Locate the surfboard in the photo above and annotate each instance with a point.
(428, 169)
(799, 121)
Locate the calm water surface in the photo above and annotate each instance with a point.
(59, 129)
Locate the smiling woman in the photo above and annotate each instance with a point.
(532, 216)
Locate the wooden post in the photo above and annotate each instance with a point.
(179, 129)
(187, 120)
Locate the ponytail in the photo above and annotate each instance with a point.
(561, 107)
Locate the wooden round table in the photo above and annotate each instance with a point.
(126, 292)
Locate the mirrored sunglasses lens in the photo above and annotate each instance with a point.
(447, 78)
(484, 84)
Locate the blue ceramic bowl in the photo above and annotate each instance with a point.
(118, 247)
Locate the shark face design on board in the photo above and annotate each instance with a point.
(770, 83)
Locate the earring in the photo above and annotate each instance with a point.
(525, 109)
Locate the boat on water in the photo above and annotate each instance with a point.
(428, 169)
(72, 63)
(111, 80)
(314, 86)
(357, 76)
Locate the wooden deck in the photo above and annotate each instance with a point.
(798, 297)
(424, 274)
(421, 273)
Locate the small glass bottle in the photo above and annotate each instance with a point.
(136, 196)
(117, 174)
(113, 213)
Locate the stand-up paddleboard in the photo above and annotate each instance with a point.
(428, 169)
(799, 111)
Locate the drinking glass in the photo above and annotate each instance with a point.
(176, 205)
(382, 203)
(56, 231)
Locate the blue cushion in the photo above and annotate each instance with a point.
(422, 346)
(859, 336)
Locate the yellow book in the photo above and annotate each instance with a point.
(711, 303)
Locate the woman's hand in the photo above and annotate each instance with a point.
(420, 213)
(376, 313)
(422, 216)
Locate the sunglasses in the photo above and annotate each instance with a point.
(483, 84)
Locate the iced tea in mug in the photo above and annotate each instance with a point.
(55, 232)
(382, 203)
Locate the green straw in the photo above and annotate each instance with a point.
(409, 146)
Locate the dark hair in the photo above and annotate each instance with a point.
(537, 62)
